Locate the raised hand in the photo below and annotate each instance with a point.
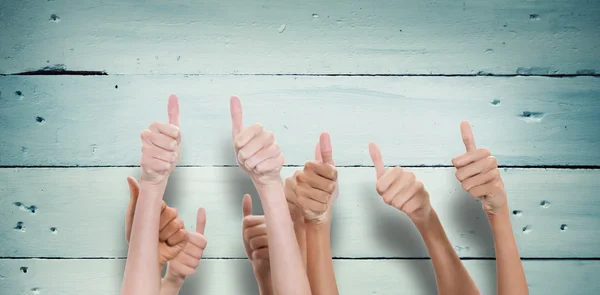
(161, 146)
(478, 172)
(187, 261)
(315, 189)
(172, 237)
(257, 152)
(400, 188)
(256, 244)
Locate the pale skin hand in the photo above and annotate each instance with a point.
(258, 155)
(479, 175)
(312, 192)
(402, 190)
(160, 153)
(256, 244)
(180, 248)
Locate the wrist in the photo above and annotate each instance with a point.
(267, 185)
(152, 189)
(423, 217)
(173, 281)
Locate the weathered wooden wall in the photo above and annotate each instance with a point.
(81, 79)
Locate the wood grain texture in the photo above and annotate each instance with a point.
(361, 36)
(87, 207)
(83, 121)
(358, 277)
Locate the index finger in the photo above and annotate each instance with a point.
(173, 109)
(467, 136)
(201, 221)
(377, 160)
(235, 109)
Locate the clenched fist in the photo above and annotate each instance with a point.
(172, 237)
(188, 260)
(478, 172)
(400, 188)
(161, 146)
(256, 151)
(254, 235)
(314, 189)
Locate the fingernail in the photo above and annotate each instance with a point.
(173, 144)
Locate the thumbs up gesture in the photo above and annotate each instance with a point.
(187, 261)
(172, 236)
(477, 170)
(161, 146)
(314, 189)
(400, 188)
(257, 152)
(254, 235)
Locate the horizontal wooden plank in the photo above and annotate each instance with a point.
(360, 36)
(80, 212)
(235, 277)
(83, 121)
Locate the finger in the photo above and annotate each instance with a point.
(261, 254)
(473, 169)
(322, 169)
(246, 205)
(134, 192)
(258, 242)
(270, 165)
(181, 236)
(318, 156)
(254, 231)
(377, 160)
(406, 195)
(252, 220)
(159, 140)
(315, 181)
(261, 141)
(173, 108)
(235, 108)
(312, 205)
(244, 137)
(167, 129)
(167, 215)
(169, 230)
(480, 179)
(326, 148)
(201, 220)
(197, 239)
(470, 157)
(393, 190)
(481, 191)
(467, 135)
(263, 154)
(384, 182)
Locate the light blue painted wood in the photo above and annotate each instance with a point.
(87, 207)
(72, 121)
(341, 36)
(358, 277)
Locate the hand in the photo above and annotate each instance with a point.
(401, 189)
(478, 173)
(187, 261)
(172, 237)
(257, 152)
(161, 147)
(254, 235)
(315, 189)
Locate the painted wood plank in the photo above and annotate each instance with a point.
(83, 121)
(235, 277)
(86, 208)
(360, 36)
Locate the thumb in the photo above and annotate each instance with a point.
(467, 136)
(318, 157)
(173, 109)
(247, 205)
(201, 221)
(377, 160)
(235, 108)
(134, 192)
(326, 148)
